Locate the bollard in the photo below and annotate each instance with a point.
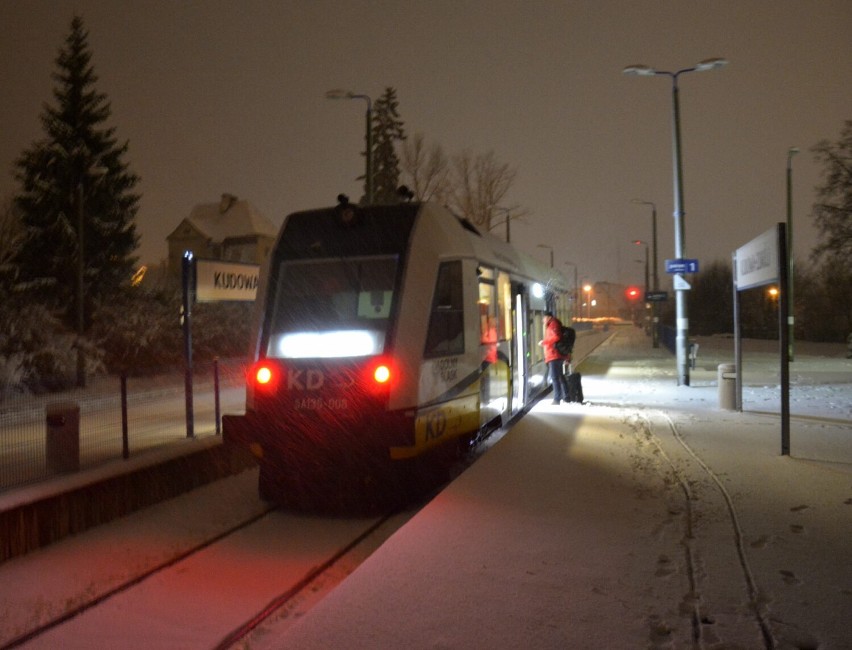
(727, 386)
(62, 441)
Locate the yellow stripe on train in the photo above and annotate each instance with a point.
(436, 425)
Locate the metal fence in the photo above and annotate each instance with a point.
(114, 418)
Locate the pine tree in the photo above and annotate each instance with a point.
(387, 131)
(76, 175)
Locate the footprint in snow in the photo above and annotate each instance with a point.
(789, 577)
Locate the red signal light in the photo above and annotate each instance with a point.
(632, 293)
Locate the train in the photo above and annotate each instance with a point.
(390, 339)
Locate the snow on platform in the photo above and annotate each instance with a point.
(646, 518)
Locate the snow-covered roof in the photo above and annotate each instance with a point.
(228, 218)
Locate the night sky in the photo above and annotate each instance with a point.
(222, 96)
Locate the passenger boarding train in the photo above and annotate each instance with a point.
(387, 336)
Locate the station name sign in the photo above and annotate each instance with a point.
(225, 281)
(757, 261)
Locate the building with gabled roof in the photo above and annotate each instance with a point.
(231, 230)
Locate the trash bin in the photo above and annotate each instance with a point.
(728, 386)
(63, 437)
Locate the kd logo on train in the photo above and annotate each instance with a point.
(436, 425)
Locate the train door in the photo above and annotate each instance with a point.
(519, 347)
(495, 377)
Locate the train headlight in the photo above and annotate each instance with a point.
(329, 344)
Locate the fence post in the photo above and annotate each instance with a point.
(216, 395)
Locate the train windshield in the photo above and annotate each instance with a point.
(332, 307)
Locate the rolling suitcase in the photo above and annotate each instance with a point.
(575, 387)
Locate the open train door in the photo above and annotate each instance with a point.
(520, 334)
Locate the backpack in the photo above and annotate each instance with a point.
(565, 345)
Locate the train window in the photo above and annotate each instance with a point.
(504, 306)
(487, 316)
(445, 335)
(332, 307)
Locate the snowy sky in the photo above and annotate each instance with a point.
(222, 96)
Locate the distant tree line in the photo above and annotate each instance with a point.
(822, 289)
(471, 185)
(823, 295)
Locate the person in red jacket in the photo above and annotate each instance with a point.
(555, 361)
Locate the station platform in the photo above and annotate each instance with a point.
(647, 517)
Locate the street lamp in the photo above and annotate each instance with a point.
(368, 175)
(655, 335)
(588, 289)
(682, 322)
(576, 290)
(95, 174)
(653, 238)
(791, 314)
(640, 242)
(551, 252)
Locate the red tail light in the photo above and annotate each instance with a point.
(265, 376)
(382, 374)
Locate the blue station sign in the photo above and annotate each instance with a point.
(682, 266)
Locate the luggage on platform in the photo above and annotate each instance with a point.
(575, 387)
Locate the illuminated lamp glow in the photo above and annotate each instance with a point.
(537, 290)
(340, 343)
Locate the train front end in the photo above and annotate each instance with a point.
(319, 416)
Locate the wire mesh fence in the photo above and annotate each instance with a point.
(114, 418)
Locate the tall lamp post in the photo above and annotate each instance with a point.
(642, 242)
(551, 252)
(791, 314)
(647, 287)
(576, 291)
(682, 321)
(94, 174)
(81, 286)
(368, 174)
(655, 334)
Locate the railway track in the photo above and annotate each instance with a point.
(315, 549)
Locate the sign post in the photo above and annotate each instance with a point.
(187, 282)
(762, 261)
(209, 281)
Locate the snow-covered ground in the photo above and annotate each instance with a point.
(645, 518)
